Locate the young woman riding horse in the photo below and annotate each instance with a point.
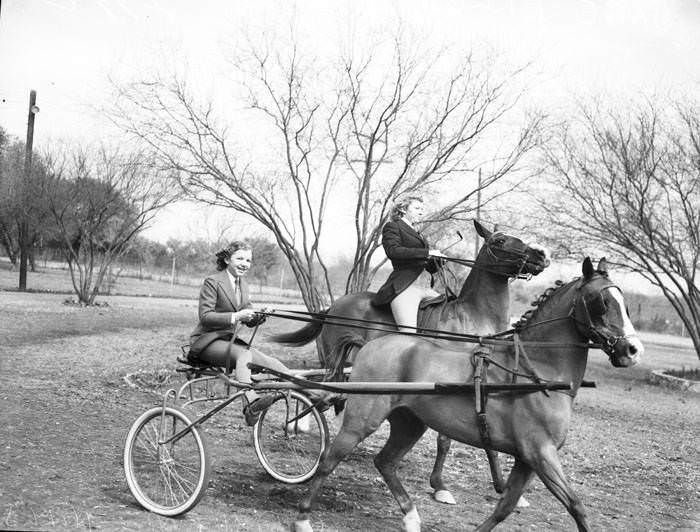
(409, 282)
(481, 307)
(531, 427)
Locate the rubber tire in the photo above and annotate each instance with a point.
(182, 417)
(286, 440)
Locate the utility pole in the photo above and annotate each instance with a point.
(172, 273)
(24, 222)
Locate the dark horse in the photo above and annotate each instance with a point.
(482, 307)
(529, 426)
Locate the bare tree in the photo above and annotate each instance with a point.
(266, 256)
(11, 175)
(351, 135)
(20, 200)
(631, 179)
(99, 201)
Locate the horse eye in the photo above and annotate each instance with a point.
(597, 306)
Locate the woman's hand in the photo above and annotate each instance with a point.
(435, 261)
(244, 315)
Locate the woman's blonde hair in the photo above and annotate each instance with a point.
(401, 205)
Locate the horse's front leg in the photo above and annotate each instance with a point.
(362, 417)
(343, 444)
(548, 467)
(518, 479)
(441, 493)
(496, 472)
(406, 430)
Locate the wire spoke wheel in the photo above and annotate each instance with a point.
(289, 447)
(166, 478)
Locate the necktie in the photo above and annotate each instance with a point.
(237, 292)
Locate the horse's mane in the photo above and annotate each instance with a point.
(537, 303)
(560, 287)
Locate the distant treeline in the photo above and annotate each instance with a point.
(188, 262)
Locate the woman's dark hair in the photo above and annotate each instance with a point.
(400, 206)
(225, 254)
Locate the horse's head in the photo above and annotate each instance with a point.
(601, 315)
(508, 255)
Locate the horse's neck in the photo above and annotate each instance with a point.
(552, 324)
(485, 298)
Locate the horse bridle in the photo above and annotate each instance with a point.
(607, 342)
(520, 260)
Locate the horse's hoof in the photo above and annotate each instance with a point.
(411, 521)
(522, 502)
(444, 496)
(302, 525)
(411, 526)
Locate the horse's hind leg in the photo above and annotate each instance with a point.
(441, 493)
(497, 475)
(518, 479)
(548, 467)
(406, 430)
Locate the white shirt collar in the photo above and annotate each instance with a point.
(231, 278)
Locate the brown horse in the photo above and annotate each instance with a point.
(529, 426)
(482, 307)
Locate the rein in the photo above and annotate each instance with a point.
(599, 340)
(520, 261)
(496, 339)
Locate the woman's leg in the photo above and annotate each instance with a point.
(405, 308)
(243, 355)
(429, 293)
(216, 354)
(238, 356)
(220, 352)
(267, 361)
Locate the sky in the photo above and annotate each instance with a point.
(66, 49)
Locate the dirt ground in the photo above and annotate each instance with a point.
(632, 453)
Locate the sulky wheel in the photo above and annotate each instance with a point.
(166, 478)
(290, 447)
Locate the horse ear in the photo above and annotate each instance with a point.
(587, 268)
(481, 230)
(603, 266)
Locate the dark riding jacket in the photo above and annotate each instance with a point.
(408, 252)
(216, 305)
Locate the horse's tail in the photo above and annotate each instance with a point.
(304, 335)
(343, 354)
